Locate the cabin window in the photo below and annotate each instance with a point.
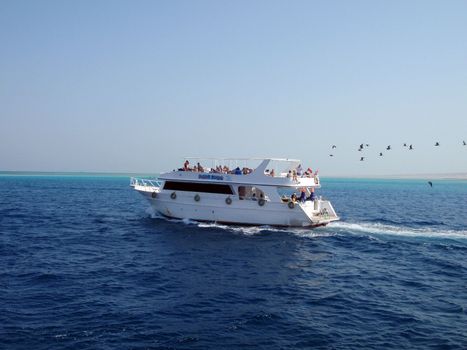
(197, 187)
(250, 193)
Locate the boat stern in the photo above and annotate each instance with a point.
(320, 212)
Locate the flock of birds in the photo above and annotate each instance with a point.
(388, 148)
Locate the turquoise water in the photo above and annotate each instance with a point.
(85, 266)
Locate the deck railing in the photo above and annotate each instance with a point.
(135, 181)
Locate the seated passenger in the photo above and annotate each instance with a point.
(186, 165)
(238, 171)
(272, 173)
(294, 176)
(312, 195)
(289, 174)
(293, 197)
(302, 195)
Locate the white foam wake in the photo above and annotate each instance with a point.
(258, 230)
(379, 228)
(333, 229)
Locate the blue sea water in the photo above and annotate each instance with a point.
(84, 266)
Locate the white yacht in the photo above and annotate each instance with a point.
(276, 192)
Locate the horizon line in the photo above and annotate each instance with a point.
(414, 176)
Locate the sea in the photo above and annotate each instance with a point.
(85, 265)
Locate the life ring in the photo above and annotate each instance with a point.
(228, 200)
(173, 195)
(197, 198)
(291, 205)
(154, 194)
(261, 202)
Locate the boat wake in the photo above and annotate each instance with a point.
(338, 228)
(261, 230)
(246, 230)
(342, 227)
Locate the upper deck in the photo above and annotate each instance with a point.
(269, 172)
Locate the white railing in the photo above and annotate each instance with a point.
(135, 181)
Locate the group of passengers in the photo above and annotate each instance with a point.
(299, 172)
(303, 197)
(217, 170)
(294, 174)
(197, 168)
(237, 171)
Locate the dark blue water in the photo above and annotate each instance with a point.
(83, 266)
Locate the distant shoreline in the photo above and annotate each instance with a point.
(440, 176)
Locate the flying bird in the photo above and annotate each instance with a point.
(360, 149)
(333, 146)
(380, 154)
(405, 145)
(410, 148)
(465, 144)
(388, 148)
(367, 145)
(430, 183)
(331, 155)
(362, 158)
(437, 144)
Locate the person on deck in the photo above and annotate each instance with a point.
(200, 168)
(294, 175)
(312, 194)
(293, 197)
(299, 170)
(302, 195)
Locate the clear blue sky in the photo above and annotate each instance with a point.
(136, 85)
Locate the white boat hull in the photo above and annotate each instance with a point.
(213, 208)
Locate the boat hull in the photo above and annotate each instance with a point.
(214, 208)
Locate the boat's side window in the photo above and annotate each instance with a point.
(249, 193)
